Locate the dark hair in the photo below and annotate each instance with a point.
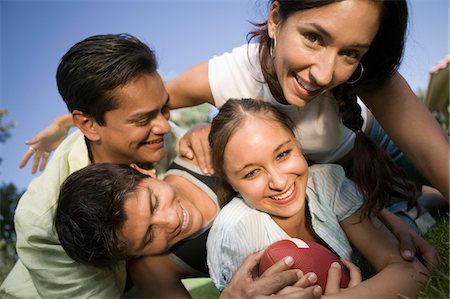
(90, 212)
(90, 71)
(375, 174)
(231, 116)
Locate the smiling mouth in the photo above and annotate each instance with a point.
(156, 141)
(307, 86)
(284, 195)
(185, 218)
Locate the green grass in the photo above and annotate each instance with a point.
(438, 285)
(201, 288)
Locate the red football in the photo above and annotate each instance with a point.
(308, 256)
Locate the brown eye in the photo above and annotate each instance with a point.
(313, 38)
(250, 174)
(283, 155)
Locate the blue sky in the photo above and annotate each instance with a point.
(35, 34)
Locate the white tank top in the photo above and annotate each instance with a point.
(318, 126)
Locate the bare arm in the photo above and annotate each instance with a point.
(157, 277)
(394, 275)
(191, 88)
(413, 128)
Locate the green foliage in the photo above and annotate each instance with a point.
(187, 117)
(442, 119)
(440, 115)
(9, 195)
(4, 129)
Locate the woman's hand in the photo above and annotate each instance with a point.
(335, 273)
(194, 145)
(411, 244)
(47, 140)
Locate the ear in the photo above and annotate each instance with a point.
(143, 171)
(87, 125)
(274, 19)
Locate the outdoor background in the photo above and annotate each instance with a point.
(35, 34)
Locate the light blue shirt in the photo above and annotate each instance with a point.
(240, 230)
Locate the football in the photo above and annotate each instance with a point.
(308, 256)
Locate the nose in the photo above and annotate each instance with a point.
(161, 125)
(277, 180)
(167, 219)
(322, 71)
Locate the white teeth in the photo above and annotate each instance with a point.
(155, 141)
(185, 218)
(306, 85)
(285, 194)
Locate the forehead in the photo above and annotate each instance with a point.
(352, 18)
(258, 125)
(256, 134)
(144, 92)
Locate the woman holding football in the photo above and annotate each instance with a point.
(269, 193)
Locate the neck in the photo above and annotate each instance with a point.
(299, 225)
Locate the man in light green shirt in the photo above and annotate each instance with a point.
(119, 103)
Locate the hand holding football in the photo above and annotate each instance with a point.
(308, 256)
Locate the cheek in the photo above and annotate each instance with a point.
(342, 74)
(252, 191)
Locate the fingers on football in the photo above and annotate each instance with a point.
(355, 273)
(307, 280)
(334, 279)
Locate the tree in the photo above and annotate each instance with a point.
(9, 196)
(4, 129)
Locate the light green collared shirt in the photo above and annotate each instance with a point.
(44, 269)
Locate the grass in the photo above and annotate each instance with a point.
(438, 285)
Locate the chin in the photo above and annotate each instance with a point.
(155, 157)
(296, 101)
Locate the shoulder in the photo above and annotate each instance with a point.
(249, 50)
(237, 220)
(236, 74)
(37, 205)
(320, 174)
(328, 185)
(234, 213)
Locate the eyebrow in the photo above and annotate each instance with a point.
(150, 114)
(325, 32)
(147, 236)
(275, 150)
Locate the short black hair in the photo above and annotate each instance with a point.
(90, 212)
(92, 68)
